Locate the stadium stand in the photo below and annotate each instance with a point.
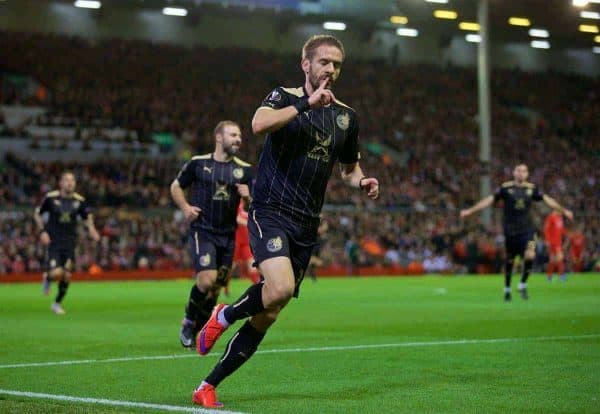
(66, 91)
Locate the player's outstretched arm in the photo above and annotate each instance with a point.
(190, 212)
(353, 176)
(553, 204)
(483, 203)
(39, 221)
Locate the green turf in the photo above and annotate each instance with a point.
(108, 320)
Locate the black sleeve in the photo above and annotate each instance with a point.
(350, 152)
(499, 194)
(277, 99)
(187, 174)
(538, 194)
(84, 210)
(45, 206)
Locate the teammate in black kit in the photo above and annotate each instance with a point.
(307, 132)
(59, 233)
(518, 196)
(218, 181)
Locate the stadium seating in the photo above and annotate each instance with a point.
(418, 130)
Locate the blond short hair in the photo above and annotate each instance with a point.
(308, 50)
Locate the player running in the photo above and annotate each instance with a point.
(59, 234)
(554, 230)
(307, 131)
(218, 182)
(518, 196)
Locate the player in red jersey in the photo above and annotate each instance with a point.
(554, 230)
(242, 258)
(577, 246)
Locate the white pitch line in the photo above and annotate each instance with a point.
(311, 349)
(115, 403)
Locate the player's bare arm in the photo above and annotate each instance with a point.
(553, 204)
(270, 120)
(353, 176)
(91, 227)
(483, 203)
(241, 221)
(190, 212)
(244, 192)
(39, 221)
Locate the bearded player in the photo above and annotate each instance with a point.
(308, 131)
(217, 182)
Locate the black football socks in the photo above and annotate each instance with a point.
(63, 286)
(249, 304)
(508, 269)
(527, 265)
(239, 349)
(195, 303)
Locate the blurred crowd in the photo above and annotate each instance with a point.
(129, 240)
(419, 136)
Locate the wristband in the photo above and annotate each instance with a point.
(360, 181)
(302, 104)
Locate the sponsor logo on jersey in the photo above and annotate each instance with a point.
(221, 193)
(320, 151)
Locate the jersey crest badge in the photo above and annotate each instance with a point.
(275, 244)
(238, 173)
(205, 260)
(343, 121)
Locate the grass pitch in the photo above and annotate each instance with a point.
(377, 345)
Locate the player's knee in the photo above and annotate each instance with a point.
(57, 274)
(529, 255)
(205, 281)
(278, 293)
(67, 276)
